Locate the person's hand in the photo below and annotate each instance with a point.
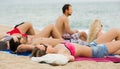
(66, 36)
(83, 36)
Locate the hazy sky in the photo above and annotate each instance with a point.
(54, 0)
(82, 0)
(48, 1)
(99, 0)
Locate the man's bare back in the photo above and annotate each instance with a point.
(60, 24)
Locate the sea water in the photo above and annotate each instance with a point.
(41, 13)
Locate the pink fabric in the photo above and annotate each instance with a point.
(70, 47)
(107, 59)
(15, 31)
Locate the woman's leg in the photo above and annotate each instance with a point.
(113, 46)
(109, 36)
(49, 31)
(26, 28)
(117, 52)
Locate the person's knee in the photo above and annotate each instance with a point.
(83, 36)
(28, 24)
(51, 26)
(115, 30)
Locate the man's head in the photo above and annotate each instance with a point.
(67, 9)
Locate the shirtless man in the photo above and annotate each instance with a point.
(62, 24)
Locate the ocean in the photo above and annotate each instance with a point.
(41, 13)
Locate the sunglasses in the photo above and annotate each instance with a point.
(44, 46)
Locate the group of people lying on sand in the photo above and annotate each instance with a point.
(60, 39)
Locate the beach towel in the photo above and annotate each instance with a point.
(17, 54)
(114, 59)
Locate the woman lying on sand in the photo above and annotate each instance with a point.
(24, 34)
(65, 51)
(102, 46)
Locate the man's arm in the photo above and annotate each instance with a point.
(67, 27)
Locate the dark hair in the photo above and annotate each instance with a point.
(40, 53)
(13, 45)
(3, 45)
(65, 7)
(36, 52)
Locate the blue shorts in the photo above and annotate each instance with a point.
(98, 50)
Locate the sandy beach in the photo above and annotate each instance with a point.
(9, 61)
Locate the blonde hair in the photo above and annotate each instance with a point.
(94, 29)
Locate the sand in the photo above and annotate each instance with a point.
(8, 61)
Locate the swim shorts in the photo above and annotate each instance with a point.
(98, 50)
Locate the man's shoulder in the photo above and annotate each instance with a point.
(63, 17)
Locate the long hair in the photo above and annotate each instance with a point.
(37, 52)
(94, 29)
(3, 45)
(13, 45)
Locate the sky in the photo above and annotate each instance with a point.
(54, 0)
(98, 0)
(48, 1)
